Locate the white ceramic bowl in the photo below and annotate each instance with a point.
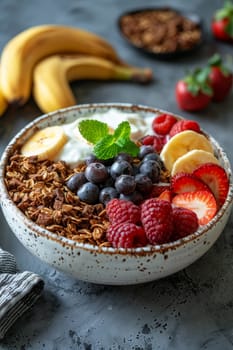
(108, 265)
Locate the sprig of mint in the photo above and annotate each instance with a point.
(107, 145)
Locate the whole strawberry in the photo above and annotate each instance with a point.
(157, 220)
(220, 78)
(193, 92)
(222, 22)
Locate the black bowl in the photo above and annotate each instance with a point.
(194, 18)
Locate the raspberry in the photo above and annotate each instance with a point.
(163, 124)
(126, 235)
(148, 140)
(158, 143)
(154, 140)
(185, 222)
(183, 125)
(157, 220)
(120, 210)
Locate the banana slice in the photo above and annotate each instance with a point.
(182, 143)
(45, 143)
(191, 160)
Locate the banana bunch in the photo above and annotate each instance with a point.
(46, 58)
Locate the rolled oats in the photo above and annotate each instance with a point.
(38, 189)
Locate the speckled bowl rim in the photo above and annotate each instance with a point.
(149, 249)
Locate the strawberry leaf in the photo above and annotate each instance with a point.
(229, 27)
(225, 12)
(202, 75)
(215, 60)
(199, 82)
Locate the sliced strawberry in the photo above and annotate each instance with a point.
(216, 178)
(158, 189)
(184, 182)
(166, 195)
(202, 203)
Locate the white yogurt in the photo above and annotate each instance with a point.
(77, 148)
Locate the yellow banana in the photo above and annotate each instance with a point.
(45, 143)
(182, 143)
(22, 52)
(3, 103)
(52, 75)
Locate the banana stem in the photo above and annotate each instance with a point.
(140, 75)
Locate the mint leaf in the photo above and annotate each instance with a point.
(106, 148)
(93, 130)
(122, 130)
(108, 145)
(131, 148)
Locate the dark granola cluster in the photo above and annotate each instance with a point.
(161, 31)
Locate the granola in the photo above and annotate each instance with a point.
(38, 189)
(161, 31)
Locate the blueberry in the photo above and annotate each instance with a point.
(124, 156)
(125, 184)
(135, 197)
(121, 168)
(108, 183)
(143, 183)
(89, 193)
(152, 169)
(76, 181)
(107, 162)
(135, 169)
(145, 149)
(154, 156)
(91, 158)
(107, 193)
(96, 173)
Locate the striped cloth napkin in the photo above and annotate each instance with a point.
(18, 291)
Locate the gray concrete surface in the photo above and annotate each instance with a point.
(192, 309)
